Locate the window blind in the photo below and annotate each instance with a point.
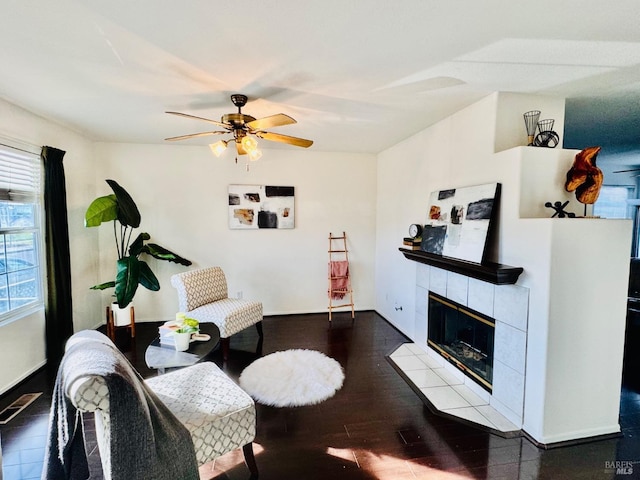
(19, 175)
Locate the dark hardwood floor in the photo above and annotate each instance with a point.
(375, 427)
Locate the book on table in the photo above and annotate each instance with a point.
(166, 332)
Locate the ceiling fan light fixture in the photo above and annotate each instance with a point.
(249, 143)
(218, 147)
(255, 154)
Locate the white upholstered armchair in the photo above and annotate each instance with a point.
(160, 428)
(203, 295)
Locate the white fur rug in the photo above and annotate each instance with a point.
(292, 378)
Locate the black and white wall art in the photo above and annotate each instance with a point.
(261, 206)
(459, 220)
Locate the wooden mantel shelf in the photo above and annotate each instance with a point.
(495, 273)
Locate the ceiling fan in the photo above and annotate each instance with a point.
(243, 127)
(628, 170)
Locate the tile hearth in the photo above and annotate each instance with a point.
(446, 393)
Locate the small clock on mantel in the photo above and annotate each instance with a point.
(415, 230)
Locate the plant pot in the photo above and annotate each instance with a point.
(182, 341)
(122, 317)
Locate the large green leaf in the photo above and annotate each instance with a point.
(147, 278)
(102, 209)
(127, 277)
(162, 253)
(128, 213)
(138, 244)
(103, 286)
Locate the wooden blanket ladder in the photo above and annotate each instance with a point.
(339, 274)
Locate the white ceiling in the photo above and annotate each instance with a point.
(358, 76)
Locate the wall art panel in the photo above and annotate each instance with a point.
(261, 206)
(459, 221)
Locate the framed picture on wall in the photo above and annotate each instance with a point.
(261, 206)
(459, 222)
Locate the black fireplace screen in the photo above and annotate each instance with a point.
(462, 336)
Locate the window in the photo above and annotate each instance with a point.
(620, 202)
(21, 273)
(612, 202)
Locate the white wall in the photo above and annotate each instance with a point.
(461, 150)
(182, 194)
(22, 342)
(452, 153)
(510, 126)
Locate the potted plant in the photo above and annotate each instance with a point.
(131, 271)
(186, 327)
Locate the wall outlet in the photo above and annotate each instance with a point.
(239, 295)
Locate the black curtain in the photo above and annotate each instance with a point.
(58, 310)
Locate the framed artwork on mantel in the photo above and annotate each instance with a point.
(261, 206)
(459, 222)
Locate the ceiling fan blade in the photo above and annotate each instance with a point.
(194, 135)
(186, 115)
(276, 137)
(630, 170)
(276, 120)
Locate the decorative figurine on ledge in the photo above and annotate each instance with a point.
(559, 209)
(546, 137)
(585, 177)
(531, 122)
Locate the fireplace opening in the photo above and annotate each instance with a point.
(462, 336)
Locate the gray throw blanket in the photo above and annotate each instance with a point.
(147, 441)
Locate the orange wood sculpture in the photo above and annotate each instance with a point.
(584, 177)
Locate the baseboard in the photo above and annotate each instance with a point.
(572, 442)
(275, 314)
(23, 378)
(393, 326)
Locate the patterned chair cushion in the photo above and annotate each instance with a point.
(219, 415)
(90, 394)
(231, 315)
(202, 294)
(199, 287)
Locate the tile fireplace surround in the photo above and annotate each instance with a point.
(502, 409)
